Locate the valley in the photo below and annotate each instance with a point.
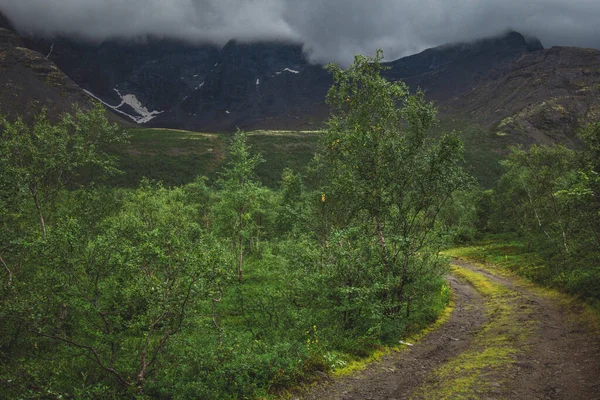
(183, 219)
(176, 157)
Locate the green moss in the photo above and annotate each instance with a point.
(507, 257)
(559, 108)
(55, 78)
(506, 121)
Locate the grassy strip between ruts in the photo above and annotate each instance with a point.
(487, 365)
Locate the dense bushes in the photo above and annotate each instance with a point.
(550, 198)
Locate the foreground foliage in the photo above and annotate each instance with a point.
(225, 290)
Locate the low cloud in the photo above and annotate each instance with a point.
(330, 30)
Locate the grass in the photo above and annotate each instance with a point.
(503, 252)
(176, 157)
(171, 156)
(483, 149)
(359, 365)
(281, 150)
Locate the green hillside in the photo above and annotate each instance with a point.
(176, 157)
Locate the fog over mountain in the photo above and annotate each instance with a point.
(330, 30)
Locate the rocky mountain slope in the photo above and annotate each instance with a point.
(194, 86)
(546, 97)
(266, 85)
(451, 70)
(137, 79)
(29, 81)
(260, 85)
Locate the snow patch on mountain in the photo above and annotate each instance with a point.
(133, 102)
(129, 99)
(291, 71)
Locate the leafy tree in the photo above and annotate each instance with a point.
(535, 177)
(548, 195)
(109, 304)
(241, 199)
(293, 213)
(41, 159)
(387, 175)
(589, 177)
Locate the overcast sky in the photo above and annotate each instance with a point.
(330, 30)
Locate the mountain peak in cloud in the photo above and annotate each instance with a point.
(329, 30)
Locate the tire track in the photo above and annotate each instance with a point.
(504, 340)
(398, 373)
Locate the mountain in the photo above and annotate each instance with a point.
(137, 79)
(30, 82)
(544, 98)
(507, 85)
(176, 84)
(450, 70)
(5, 23)
(510, 86)
(166, 83)
(266, 85)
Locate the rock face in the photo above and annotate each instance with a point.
(273, 86)
(258, 85)
(195, 86)
(254, 85)
(156, 73)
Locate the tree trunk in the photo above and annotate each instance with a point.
(240, 245)
(240, 259)
(38, 208)
(10, 275)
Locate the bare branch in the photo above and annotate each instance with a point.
(10, 275)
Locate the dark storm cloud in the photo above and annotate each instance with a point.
(331, 30)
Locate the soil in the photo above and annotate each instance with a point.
(556, 357)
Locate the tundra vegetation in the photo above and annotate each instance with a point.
(227, 288)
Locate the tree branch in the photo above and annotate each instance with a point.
(122, 381)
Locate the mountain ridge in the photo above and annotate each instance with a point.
(252, 85)
(509, 84)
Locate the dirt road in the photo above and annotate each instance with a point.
(505, 339)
